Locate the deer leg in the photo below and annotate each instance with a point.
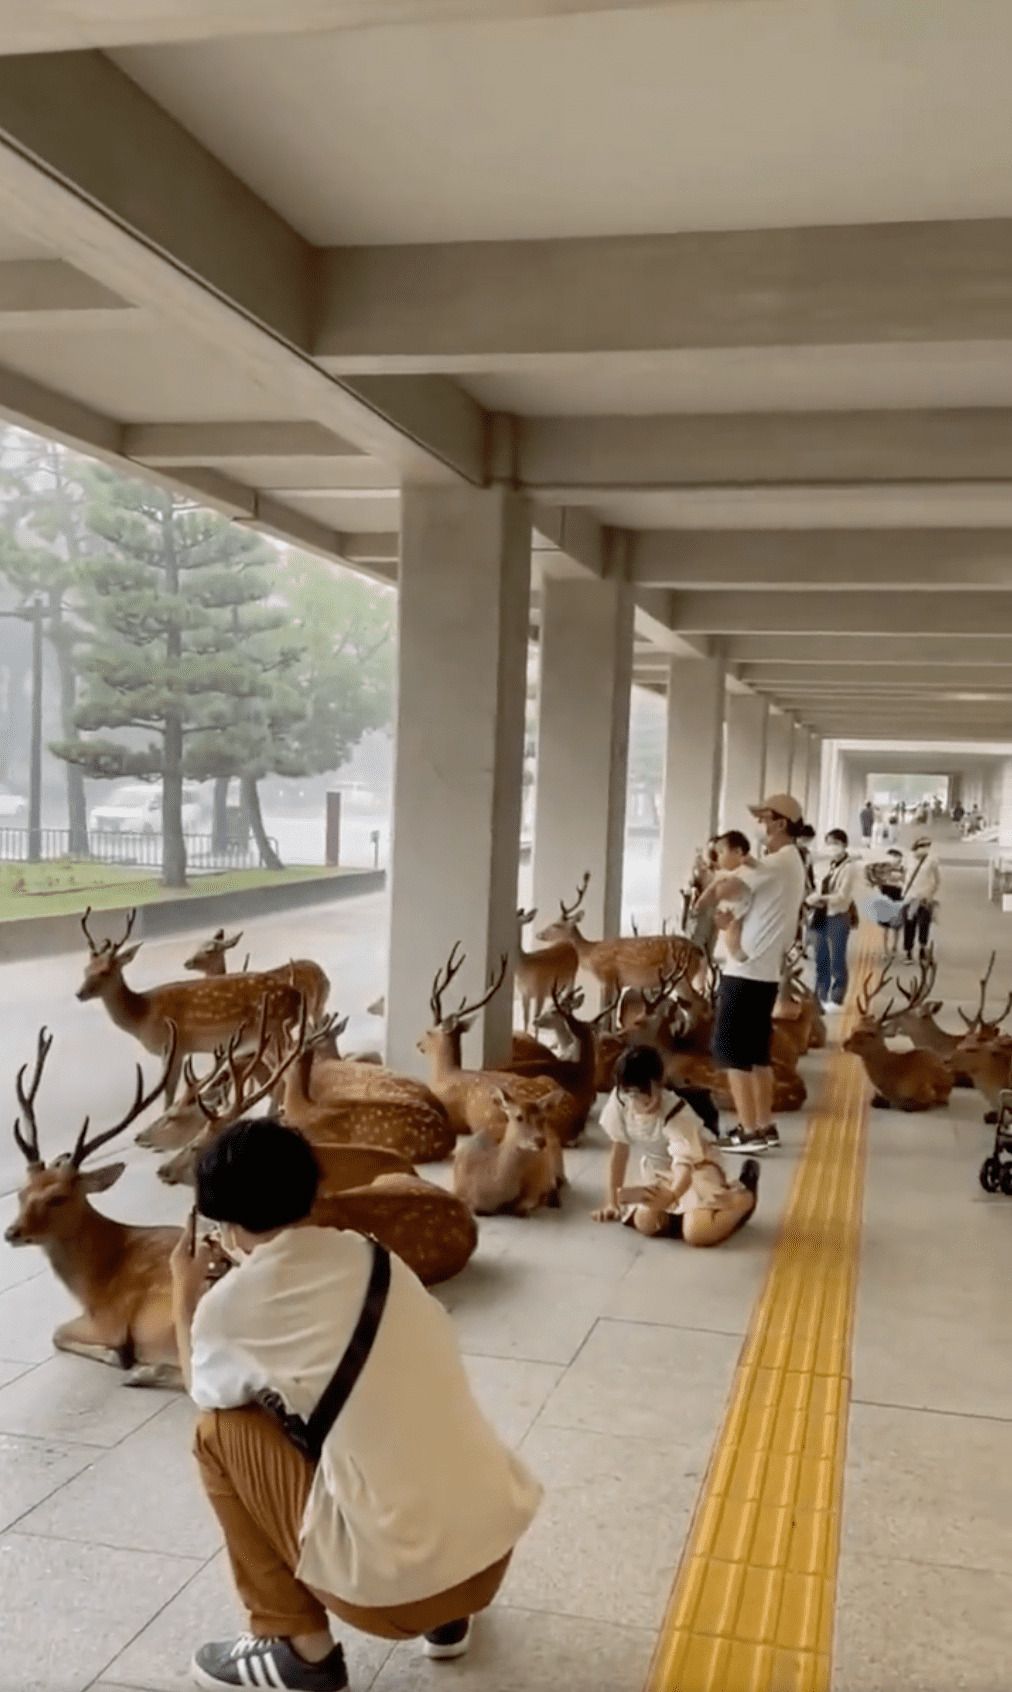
(166, 1375)
(80, 1338)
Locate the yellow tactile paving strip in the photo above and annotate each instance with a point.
(753, 1602)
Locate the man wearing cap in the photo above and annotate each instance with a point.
(743, 1021)
(920, 898)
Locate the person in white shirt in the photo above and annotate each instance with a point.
(683, 1188)
(920, 898)
(743, 1020)
(341, 1448)
(829, 919)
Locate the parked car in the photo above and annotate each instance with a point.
(13, 808)
(137, 809)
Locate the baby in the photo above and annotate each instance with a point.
(733, 849)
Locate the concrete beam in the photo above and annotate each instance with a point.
(492, 304)
(871, 559)
(560, 456)
(139, 204)
(841, 614)
(575, 534)
(807, 678)
(895, 650)
(213, 443)
(52, 26)
(50, 294)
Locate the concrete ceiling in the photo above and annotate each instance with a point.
(732, 275)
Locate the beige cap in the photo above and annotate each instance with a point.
(781, 804)
(922, 843)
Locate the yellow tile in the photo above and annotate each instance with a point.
(800, 1613)
(772, 1536)
(761, 1592)
(719, 1599)
(813, 1542)
(703, 1665)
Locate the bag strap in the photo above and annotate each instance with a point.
(309, 1436)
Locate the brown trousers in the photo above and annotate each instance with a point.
(258, 1485)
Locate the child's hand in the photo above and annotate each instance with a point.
(607, 1213)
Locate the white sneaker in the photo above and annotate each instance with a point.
(442, 1644)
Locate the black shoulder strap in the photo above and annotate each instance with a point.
(309, 1436)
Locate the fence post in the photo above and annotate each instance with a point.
(332, 852)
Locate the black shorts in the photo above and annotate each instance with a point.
(743, 1023)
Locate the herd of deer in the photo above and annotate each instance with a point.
(267, 1037)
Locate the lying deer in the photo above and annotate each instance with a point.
(917, 1022)
(519, 1172)
(469, 1095)
(538, 974)
(987, 1065)
(978, 1024)
(302, 973)
(640, 961)
(205, 1014)
(119, 1274)
(796, 1014)
(914, 1080)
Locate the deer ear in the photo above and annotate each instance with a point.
(98, 1180)
(129, 953)
(500, 1098)
(934, 1007)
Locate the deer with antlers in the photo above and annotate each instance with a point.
(538, 974)
(639, 961)
(302, 973)
(912, 1080)
(917, 1020)
(978, 1025)
(118, 1273)
(206, 1014)
(469, 1095)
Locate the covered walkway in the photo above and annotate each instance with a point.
(629, 1372)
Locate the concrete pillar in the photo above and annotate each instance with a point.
(583, 746)
(464, 608)
(813, 782)
(799, 763)
(1005, 811)
(744, 759)
(692, 769)
(779, 746)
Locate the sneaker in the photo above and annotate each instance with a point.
(739, 1139)
(771, 1137)
(450, 1640)
(748, 1174)
(250, 1661)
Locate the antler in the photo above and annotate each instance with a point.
(441, 982)
(241, 1073)
(924, 982)
(465, 1009)
(93, 947)
(581, 893)
(864, 997)
(985, 978)
(30, 1147)
(524, 917)
(85, 1147)
(665, 987)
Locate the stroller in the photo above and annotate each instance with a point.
(996, 1175)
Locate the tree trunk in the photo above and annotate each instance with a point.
(219, 820)
(173, 844)
(77, 804)
(268, 857)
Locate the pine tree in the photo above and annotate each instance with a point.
(159, 666)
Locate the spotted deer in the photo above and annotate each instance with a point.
(206, 1014)
(639, 961)
(538, 974)
(118, 1273)
(302, 973)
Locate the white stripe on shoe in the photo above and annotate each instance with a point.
(273, 1673)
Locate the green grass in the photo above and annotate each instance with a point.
(63, 888)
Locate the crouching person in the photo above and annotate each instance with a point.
(341, 1449)
(685, 1192)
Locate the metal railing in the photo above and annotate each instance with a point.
(142, 851)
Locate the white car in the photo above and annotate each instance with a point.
(137, 809)
(13, 809)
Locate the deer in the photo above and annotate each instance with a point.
(977, 1024)
(517, 1173)
(917, 1021)
(913, 1080)
(205, 1013)
(118, 1273)
(302, 973)
(537, 974)
(639, 961)
(797, 1018)
(469, 1095)
(577, 1076)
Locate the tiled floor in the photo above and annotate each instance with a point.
(604, 1358)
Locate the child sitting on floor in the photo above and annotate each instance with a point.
(732, 850)
(685, 1192)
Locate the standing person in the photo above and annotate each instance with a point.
(743, 1020)
(920, 898)
(887, 908)
(867, 816)
(830, 919)
(341, 1448)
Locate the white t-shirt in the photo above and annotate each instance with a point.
(667, 1147)
(777, 885)
(414, 1492)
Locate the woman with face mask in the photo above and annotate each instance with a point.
(830, 919)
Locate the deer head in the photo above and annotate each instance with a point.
(977, 1024)
(569, 915)
(54, 1195)
(230, 1090)
(107, 961)
(209, 959)
(525, 1127)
